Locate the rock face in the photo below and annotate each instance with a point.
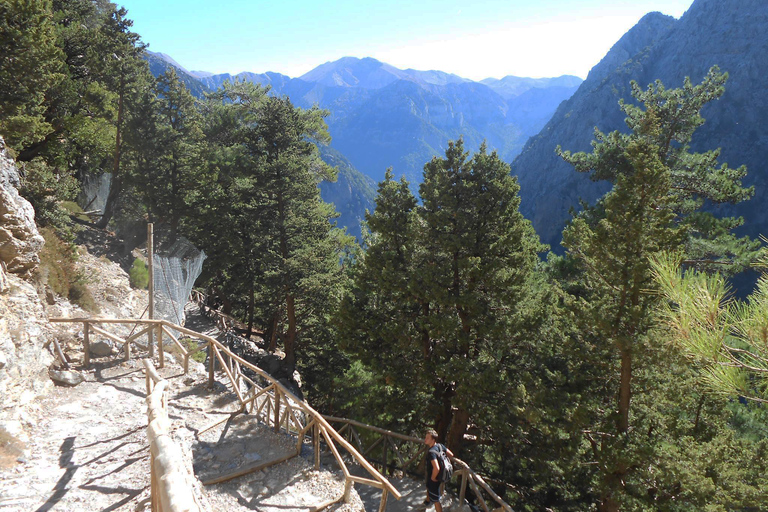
(20, 240)
(24, 327)
(731, 35)
(24, 330)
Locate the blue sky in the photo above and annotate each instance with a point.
(480, 39)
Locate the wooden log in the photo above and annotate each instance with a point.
(316, 443)
(211, 364)
(229, 374)
(372, 428)
(490, 491)
(463, 487)
(217, 423)
(353, 434)
(99, 320)
(86, 344)
(478, 494)
(383, 503)
(261, 392)
(175, 340)
(418, 453)
(335, 452)
(151, 285)
(160, 348)
(60, 353)
(374, 445)
(108, 335)
(397, 451)
(248, 470)
(300, 436)
(150, 369)
(277, 409)
(366, 481)
(326, 504)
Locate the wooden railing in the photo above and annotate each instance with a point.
(268, 400)
(224, 322)
(401, 452)
(169, 488)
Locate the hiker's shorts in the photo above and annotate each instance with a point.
(433, 491)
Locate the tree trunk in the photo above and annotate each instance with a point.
(459, 424)
(251, 301)
(625, 390)
(289, 341)
(273, 332)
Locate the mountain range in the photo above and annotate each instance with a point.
(382, 116)
(731, 35)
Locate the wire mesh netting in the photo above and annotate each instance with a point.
(176, 269)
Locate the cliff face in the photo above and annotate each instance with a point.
(731, 35)
(19, 239)
(24, 327)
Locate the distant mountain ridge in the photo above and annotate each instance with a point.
(424, 109)
(382, 116)
(731, 35)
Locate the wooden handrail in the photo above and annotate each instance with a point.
(169, 489)
(216, 352)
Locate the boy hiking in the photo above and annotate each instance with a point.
(434, 471)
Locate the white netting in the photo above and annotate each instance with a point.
(176, 270)
(94, 189)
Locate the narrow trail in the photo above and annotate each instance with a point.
(88, 449)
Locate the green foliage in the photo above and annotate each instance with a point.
(261, 220)
(726, 339)
(30, 65)
(59, 271)
(658, 189)
(46, 188)
(444, 297)
(164, 143)
(139, 274)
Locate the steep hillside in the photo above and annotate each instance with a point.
(353, 193)
(730, 35)
(160, 62)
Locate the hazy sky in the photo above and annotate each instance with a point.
(479, 39)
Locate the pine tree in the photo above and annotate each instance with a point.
(439, 306)
(659, 187)
(30, 65)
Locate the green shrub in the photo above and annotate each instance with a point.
(139, 274)
(46, 187)
(58, 270)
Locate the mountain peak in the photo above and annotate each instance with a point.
(366, 73)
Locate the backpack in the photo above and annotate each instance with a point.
(446, 468)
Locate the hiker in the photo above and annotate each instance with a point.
(434, 478)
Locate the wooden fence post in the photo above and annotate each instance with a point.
(160, 351)
(463, 488)
(211, 364)
(277, 410)
(316, 442)
(86, 344)
(151, 284)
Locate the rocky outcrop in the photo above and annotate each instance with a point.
(24, 327)
(24, 332)
(20, 240)
(731, 35)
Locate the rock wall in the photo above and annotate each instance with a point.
(24, 330)
(20, 240)
(24, 327)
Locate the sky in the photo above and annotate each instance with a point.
(475, 40)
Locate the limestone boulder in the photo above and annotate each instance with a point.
(20, 241)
